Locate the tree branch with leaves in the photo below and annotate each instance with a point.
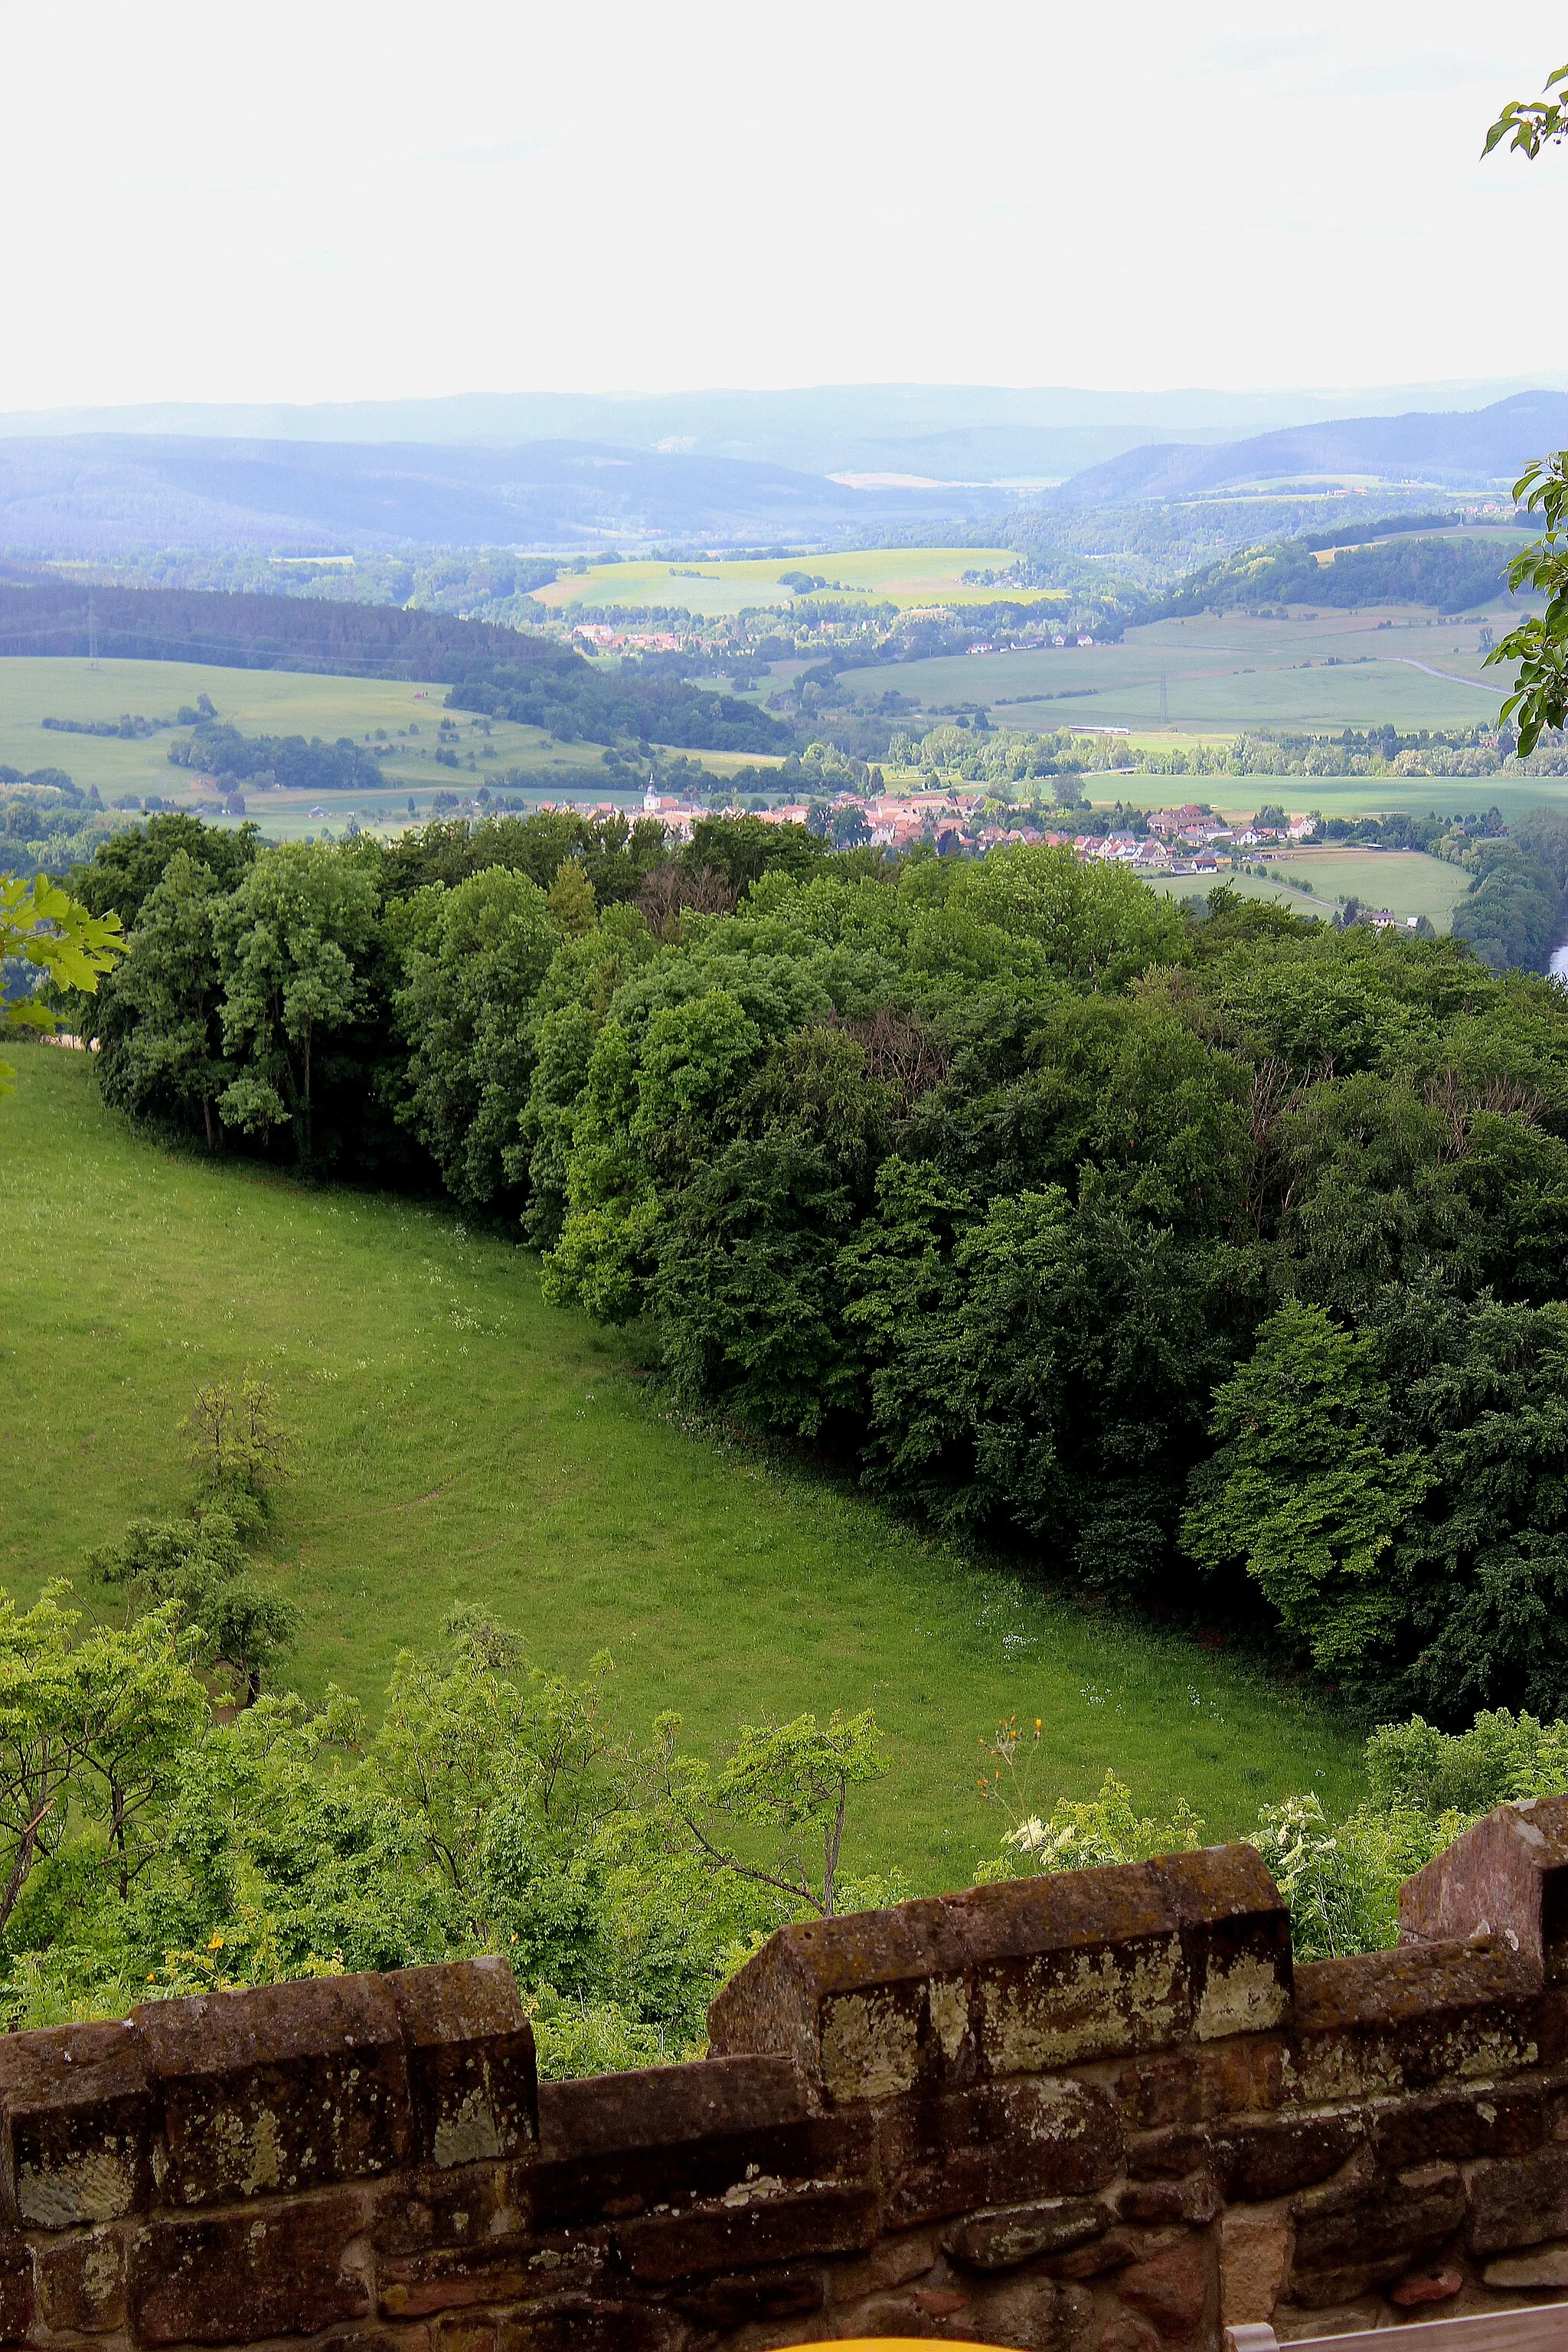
(1540, 645)
(790, 1778)
(42, 925)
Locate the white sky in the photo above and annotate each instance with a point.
(224, 201)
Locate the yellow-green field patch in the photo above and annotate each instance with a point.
(906, 576)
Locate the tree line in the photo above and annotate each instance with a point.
(216, 749)
(597, 704)
(512, 673)
(1210, 1258)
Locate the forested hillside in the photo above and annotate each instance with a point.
(1215, 1261)
(520, 675)
(1455, 575)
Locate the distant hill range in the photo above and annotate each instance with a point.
(1474, 449)
(874, 464)
(108, 494)
(943, 432)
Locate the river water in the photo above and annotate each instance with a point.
(1557, 966)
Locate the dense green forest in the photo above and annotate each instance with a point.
(511, 672)
(581, 700)
(1213, 1259)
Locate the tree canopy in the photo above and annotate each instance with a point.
(1207, 1254)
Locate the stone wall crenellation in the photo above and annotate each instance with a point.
(1103, 2112)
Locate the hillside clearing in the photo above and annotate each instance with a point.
(459, 1440)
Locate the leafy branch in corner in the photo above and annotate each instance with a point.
(1533, 122)
(43, 925)
(1540, 645)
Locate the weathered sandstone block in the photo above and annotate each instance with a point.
(580, 2325)
(1223, 2078)
(766, 2221)
(1254, 2259)
(782, 2290)
(1519, 2202)
(472, 2069)
(1171, 2290)
(618, 2144)
(1019, 1978)
(1279, 2154)
(289, 2087)
(76, 2124)
(78, 2281)
(1417, 2019)
(1358, 2222)
(999, 2144)
(239, 2278)
(1545, 2266)
(1014, 2234)
(1508, 1878)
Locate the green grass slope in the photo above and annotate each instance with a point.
(1317, 671)
(460, 1439)
(258, 702)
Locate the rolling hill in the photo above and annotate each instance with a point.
(111, 494)
(1464, 449)
(1450, 574)
(510, 673)
(955, 433)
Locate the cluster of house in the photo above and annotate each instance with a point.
(1006, 646)
(895, 821)
(1188, 840)
(607, 640)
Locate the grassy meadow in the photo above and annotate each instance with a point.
(905, 576)
(1405, 881)
(457, 1438)
(1402, 880)
(258, 702)
(283, 703)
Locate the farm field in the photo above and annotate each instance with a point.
(904, 576)
(1402, 880)
(1327, 670)
(281, 702)
(457, 1439)
(256, 701)
(1237, 797)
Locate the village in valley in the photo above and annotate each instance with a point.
(1193, 839)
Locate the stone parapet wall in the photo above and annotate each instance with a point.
(1103, 2112)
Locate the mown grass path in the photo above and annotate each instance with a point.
(457, 1438)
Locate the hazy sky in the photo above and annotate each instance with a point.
(324, 200)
